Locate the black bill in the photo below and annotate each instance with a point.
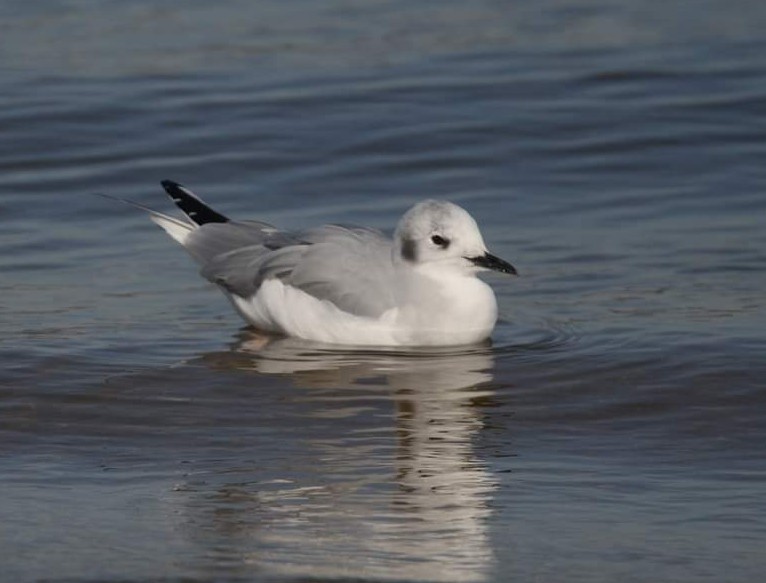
(489, 261)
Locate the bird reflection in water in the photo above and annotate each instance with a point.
(403, 499)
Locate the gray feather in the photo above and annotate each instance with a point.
(337, 267)
(242, 271)
(213, 239)
(331, 262)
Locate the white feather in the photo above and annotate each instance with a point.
(177, 229)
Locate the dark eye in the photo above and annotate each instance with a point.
(440, 241)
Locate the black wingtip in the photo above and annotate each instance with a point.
(191, 204)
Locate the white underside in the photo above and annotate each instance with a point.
(464, 315)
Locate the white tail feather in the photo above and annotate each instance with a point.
(176, 228)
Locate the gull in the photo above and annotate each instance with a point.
(345, 284)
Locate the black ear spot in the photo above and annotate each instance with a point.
(440, 241)
(409, 250)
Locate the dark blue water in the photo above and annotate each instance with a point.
(612, 431)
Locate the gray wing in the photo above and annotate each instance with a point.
(348, 266)
(214, 239)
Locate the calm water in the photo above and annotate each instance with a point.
(614, 429)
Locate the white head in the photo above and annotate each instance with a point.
(436, 232)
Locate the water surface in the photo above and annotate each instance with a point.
(612, 430)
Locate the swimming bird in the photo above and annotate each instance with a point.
(344, 284)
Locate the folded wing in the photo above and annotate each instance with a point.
(348, 266)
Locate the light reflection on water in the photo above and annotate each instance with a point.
(430, 519)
